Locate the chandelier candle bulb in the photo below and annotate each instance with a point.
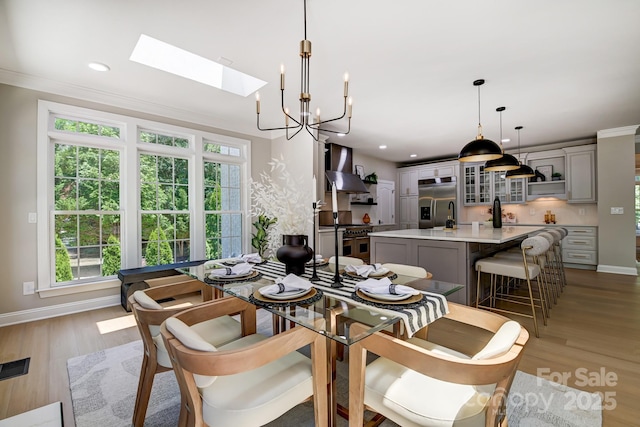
(346, 84)
(282, 77)
(258, 102)
(350, 107)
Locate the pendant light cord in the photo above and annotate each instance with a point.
(305, 19)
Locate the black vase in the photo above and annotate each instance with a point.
(497, 213)
(294, 253)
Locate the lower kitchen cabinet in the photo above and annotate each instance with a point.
(326, 243)
(580, 247)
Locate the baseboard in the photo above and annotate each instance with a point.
(30, 315)
(615, 269)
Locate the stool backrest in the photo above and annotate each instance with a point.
(535, 245)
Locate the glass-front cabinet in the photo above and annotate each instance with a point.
(508, 190)
(481, 187)
(477, 185)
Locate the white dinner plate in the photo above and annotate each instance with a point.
(288, 294)
(230, 276)
(386, 297)
(381, 272)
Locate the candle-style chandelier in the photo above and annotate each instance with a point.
(304, 120)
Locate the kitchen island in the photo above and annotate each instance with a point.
(448, 254)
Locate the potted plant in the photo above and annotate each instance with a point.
(556, 176)
(372, 178)
(260, 240)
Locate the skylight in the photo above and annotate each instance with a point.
(163, 56)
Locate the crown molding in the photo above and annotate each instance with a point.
(622, 131)
(41, 84)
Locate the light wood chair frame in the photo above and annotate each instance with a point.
(499, 370)
(187, 362)
(145, 317)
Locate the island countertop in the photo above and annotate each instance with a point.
(463, 233)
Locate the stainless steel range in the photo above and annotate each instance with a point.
(355, 242)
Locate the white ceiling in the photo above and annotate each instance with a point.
(564, 69)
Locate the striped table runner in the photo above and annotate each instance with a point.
(434, 306)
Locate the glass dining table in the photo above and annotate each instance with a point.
(338, 304)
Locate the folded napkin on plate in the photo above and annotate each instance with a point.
(236, 270)
(253, 258)
(365, 270)
(288, 284)
(385, 287)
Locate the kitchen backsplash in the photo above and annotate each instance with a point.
(533, 213)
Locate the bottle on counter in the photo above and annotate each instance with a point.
(497, 213)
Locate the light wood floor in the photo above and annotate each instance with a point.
(595, 326)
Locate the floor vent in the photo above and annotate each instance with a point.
(14, 369)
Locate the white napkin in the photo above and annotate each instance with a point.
(385, 287)
(290, 283)
(254, 258)
(364, 270)
(318, 259)
(236, 270)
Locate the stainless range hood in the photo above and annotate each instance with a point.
(338, 168)
(346, 182)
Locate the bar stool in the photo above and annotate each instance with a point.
(558, 235)
(532, 248)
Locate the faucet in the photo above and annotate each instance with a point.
(451, 221)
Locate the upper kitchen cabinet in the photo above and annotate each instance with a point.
(408, 178)
(476, 185)
(480, 187)
(438, 170)
(546, 164)
(581, 174)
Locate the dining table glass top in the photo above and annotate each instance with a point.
(326, 301)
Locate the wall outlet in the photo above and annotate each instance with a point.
(582, 211)
(532, 212)
(617, 211)
(28, 288)
(32, 218)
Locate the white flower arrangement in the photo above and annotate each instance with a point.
(281, 197)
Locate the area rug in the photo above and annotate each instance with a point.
(104, 384)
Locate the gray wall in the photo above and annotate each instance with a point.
(616, 175)
(18, 116)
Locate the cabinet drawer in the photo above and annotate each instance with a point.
(579, 257)
(585, 242)
(586, 231)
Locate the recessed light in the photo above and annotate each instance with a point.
(341, 134)
(99, 66)
(382, 147)
(413, 155)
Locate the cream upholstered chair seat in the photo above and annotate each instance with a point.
(458, 390)
(235, 400)
(250, 381)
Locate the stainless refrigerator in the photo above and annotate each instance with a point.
(433, 202)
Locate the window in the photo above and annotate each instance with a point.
(121, 192)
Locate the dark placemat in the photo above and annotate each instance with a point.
(263, 301)
(255, 275)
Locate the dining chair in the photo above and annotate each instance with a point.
(407, 270)
(250, 381)
(344, 260)
(149, 315)
(419, 383)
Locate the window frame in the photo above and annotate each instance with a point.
(130, 148)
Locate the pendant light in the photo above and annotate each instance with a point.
(505, 163)
(523, 171)
(480, 149)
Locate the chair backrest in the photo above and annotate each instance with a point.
(407, 270)
(344, 260)
(535, 245)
